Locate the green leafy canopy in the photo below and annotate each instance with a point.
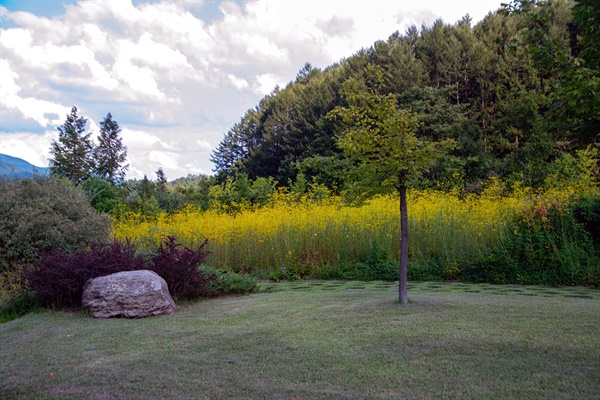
(382, 139)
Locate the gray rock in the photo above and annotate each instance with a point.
(130, 294)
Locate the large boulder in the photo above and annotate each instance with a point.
(130, 294)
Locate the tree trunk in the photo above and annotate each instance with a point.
(402, 275)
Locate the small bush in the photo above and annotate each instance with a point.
(544, 245)
(229, 282)
(11, 281)
(42, 214)
(431, 269)
(380, 265)
(104, 195)
(58, 278)
(178, 266)
(587, 212)
(19, 305)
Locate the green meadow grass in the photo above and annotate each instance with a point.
(319, 339)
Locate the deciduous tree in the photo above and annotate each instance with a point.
(381, 139)
(563, 40)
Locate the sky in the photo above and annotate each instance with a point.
(176, 75)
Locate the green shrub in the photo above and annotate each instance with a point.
(229, 282)
(19, 305)
(380, 265)
(44, 214)
(431, 269)
(586, 211)
(103, 194)
(545, 244)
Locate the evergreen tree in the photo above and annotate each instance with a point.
(72, 154)
(195, 189)
(161, 180)
(168, 199)
(513, 91)
(141, 196)
(110, 154)
(161, 177)
(147, 188)
(237, 144)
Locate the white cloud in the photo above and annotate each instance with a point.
(139, 80)
(239, 83)
(163, 159)
(138, 138)
(146, 153)
(336, 26)
(31, 147)
(203, 145)
(194, 168)
(265, 83)
(172, 79)
(8, 78)
(45, 113)
(16, 38)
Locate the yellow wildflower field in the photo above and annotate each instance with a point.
(306, 234)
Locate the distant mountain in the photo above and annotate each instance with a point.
(14, 167)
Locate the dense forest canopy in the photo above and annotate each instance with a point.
(517, 92)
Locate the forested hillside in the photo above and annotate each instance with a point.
(517, 92)
(494, 127)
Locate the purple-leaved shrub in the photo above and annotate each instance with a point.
(178, 266)
(58, 278)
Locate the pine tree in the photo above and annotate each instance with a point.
(72, 154)
(110, 154)
(161, 180)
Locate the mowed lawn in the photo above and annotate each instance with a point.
(312, 340)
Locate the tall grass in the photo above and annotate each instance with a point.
(304, 238)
